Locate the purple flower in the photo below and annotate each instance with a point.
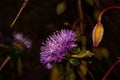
(53, 50)
(21, 40)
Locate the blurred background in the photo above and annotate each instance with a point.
(40, 18)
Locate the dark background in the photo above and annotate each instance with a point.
(39, 19)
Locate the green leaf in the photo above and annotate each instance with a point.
(74, 62)
(19, 66)
(83, 54)
(57, 72)
(70, 74)
(76, 50)
(60, 8)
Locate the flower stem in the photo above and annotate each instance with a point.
(106, 9)
(81, 16)
(21, 9)
(110, 69)
(4, 63)
(81, 75)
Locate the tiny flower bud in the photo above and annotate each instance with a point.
(97, 34)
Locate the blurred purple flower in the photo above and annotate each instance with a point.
(53, 50)
(22, 40)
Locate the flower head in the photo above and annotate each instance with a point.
(21, 40)
(53, 50)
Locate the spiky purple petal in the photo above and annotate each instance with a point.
(19, 37)
(53, 50)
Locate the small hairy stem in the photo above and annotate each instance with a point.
(21, 9)
(4, 63)
(106, 9)
(110, 69)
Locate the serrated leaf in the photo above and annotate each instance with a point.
(19, 66)
(74, 62)
(60, 8)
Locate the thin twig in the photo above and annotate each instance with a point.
(91, 75)
(4, 63)
(21, 9)
(110, 69)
